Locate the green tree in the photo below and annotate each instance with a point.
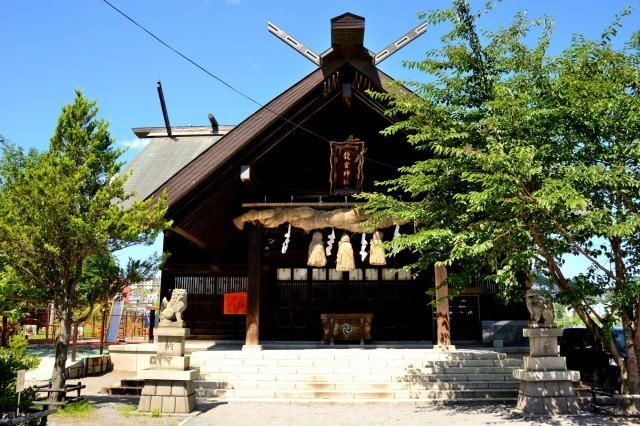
(103, 279)
(526, 158)
(61, 206)
(12, 296)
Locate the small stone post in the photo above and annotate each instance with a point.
(545, 382)
(168, 383)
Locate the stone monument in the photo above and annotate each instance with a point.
(168, 382)
(545, 382)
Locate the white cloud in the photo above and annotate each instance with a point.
(135, 144)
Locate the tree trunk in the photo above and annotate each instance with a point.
(58, 377)
(630, 380)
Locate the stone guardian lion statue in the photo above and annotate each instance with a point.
(172, 309)
(540, 306)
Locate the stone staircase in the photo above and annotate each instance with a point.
(357, 375)
(130, 387)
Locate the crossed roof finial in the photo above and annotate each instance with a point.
(347, 34)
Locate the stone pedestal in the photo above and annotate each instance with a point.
(545, 382)
(168, 383)
(254, 348)
(171, 339)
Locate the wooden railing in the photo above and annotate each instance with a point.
(44, 400)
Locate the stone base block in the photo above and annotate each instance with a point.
(444, 348)
(168, 404)
(547, 397)
(546, 376)
(168, 396)
(542, 332)
(150, 388)
(172, 324)
(541, 405)
(169, 374)
(145, 403)
(171, 340)
(547, 389)
(542, 363)
(543, 342)
(251, 347)
(186, 404)
(171, 346)
(158, 362)
(171, 331)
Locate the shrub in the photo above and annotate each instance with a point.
(12, 359)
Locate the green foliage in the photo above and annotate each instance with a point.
(62, 206)
(11, 291)
(566, 319)
(525, 158)
(12, 359)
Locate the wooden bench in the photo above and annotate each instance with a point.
(346, 327)
(42, 399)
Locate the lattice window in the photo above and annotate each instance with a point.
(203, 284)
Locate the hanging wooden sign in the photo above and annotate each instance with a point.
(347, 159)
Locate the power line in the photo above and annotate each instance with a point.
(228, 85)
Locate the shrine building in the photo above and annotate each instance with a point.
(259, 211)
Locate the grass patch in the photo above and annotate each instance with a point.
(127, 410)
(156, 413)
(80, 409)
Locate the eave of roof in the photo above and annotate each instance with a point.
(158, 132)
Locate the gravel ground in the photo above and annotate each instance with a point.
(114, 410)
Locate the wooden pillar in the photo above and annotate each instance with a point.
(442, 310)
(152, 322)
(252, 341)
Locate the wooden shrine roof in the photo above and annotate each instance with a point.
(203, 182)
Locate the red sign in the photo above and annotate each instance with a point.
(235, 303)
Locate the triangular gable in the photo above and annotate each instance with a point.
(185, 184)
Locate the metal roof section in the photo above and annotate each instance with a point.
(164, 156)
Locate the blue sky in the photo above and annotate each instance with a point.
(50, 48)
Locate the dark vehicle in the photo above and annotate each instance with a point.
(586, 354)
